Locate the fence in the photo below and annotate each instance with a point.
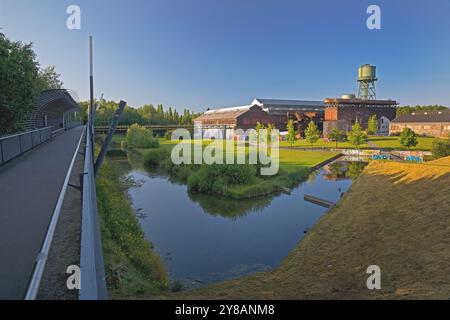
(93, 283)
(15, 145)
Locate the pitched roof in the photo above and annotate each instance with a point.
(229, 113)
(282, 103)
(427, 116)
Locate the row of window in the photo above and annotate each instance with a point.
(420, 127)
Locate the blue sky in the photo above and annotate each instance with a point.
(211, 53)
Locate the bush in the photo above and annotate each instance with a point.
(168, 135)
(140, 137)
(215, 179)
(440, 148)
(155, 157)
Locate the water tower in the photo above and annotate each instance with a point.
(367, 76)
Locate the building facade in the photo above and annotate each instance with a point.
(430, 123)
(223, 122)
(301, 112)
(343, 113)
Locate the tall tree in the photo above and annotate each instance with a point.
(48, 79)
(312, 133)
(408, 138)
(19, 72)
(258, 129)
(291, 136)
(357, 136)
(336, 135)
(372, 125)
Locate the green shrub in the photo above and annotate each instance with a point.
(215, 179)
(155, 157)
(140, 137)
(168, 135)
(440, 148)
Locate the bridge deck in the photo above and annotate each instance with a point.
(29, 189)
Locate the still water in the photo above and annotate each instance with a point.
(206, 239)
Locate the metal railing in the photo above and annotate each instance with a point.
(38, 271)
(93, 279)
(72, 125)
(15, 145)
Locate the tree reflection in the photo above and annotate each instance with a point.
(354, 169)
(340, 170)
(230, 208)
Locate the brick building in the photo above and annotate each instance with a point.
(429, 123)
(221, 123)
(342, 113)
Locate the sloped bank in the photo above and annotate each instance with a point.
(396, 215)
(133, 269)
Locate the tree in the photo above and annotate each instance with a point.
(258, 129)
(408, 138)
(440, 148)
(409, 109)
(48, 79)
(357, 136)
(291, 136)
(18, 83)
(312, 133)
(270, 128)
(372, 125)
(336, 135)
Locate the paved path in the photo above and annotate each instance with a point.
(29, 189)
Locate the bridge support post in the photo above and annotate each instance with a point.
(109, 137)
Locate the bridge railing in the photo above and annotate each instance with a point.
(15, 145)
(93, 282)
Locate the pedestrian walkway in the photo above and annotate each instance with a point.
(29, 190)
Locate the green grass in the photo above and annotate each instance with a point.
(295, 165)
(322, 143)
(132, 268)
(380, 142)
(424, 144)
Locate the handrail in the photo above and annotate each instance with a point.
(23, 133)
(93, 279)
(17, 144)
(33, 286)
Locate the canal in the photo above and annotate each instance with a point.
(208, 239)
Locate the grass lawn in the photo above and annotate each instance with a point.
(295, 165)
(288, 158)
(380, 142)
(322, 143)
(394, 143)
(396, 216)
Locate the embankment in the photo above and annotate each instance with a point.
(132, 267)
(396, 216)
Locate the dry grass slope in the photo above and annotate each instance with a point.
(396, 215)
(442, 162)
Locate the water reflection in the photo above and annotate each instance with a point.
(204, 239)
(341, 169)
(230, 208)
